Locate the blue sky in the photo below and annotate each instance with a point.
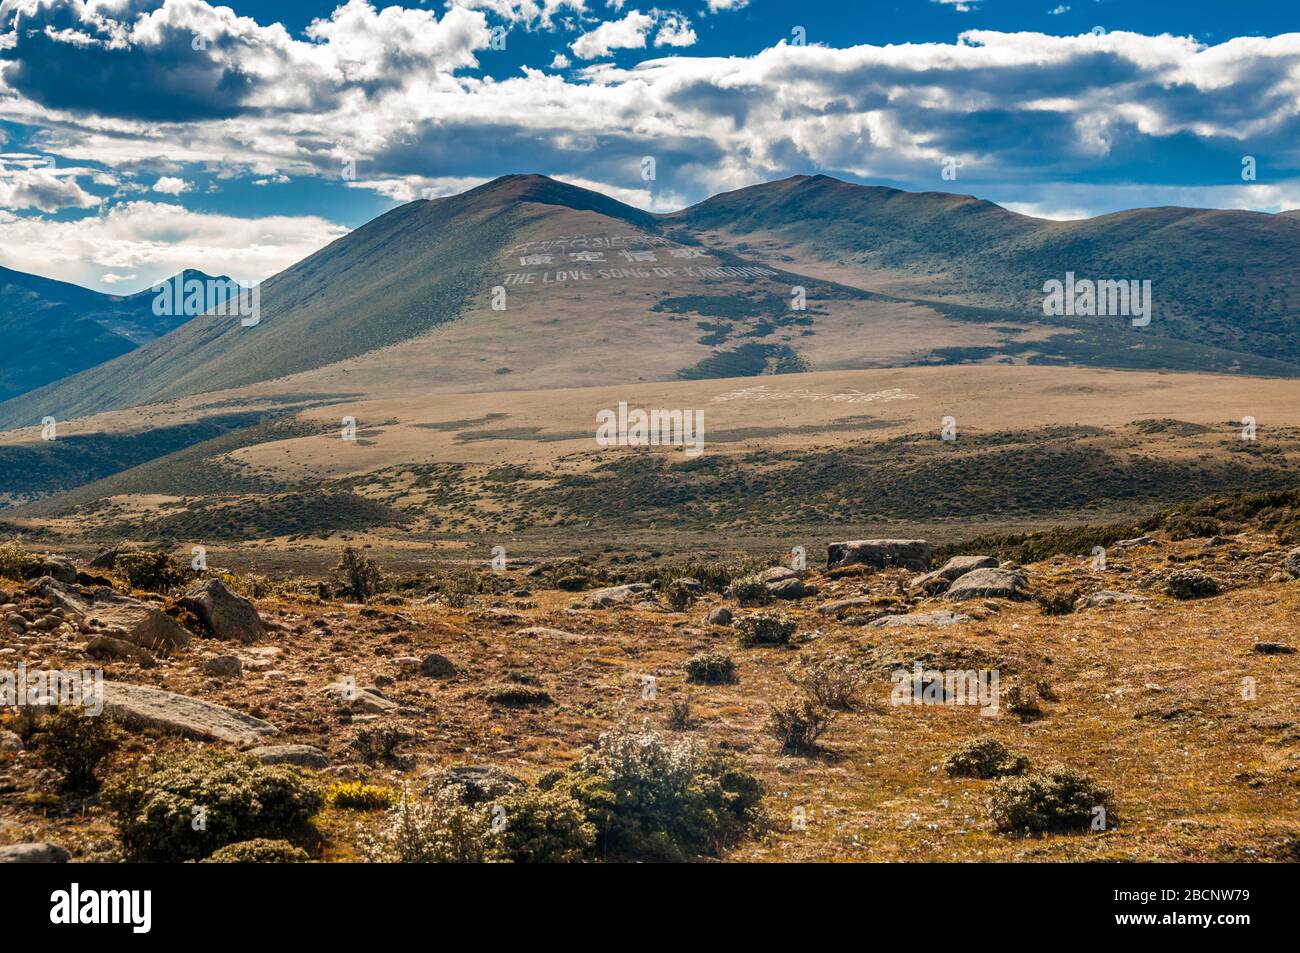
(143, 136)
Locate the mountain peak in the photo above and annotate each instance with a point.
(509, 190)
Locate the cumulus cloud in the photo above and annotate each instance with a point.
(153, 240)
(528, 13)
(171, 185)
(628, 33)
(718, 5)
(675, 30)
(28, 182)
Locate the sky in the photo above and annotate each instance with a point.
(141, 137)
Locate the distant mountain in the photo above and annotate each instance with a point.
(1227, 279)
(52, 329)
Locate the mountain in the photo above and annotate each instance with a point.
(1225, 279)
(53, 329)
(527, 283)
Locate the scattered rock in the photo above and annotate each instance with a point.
(34, 853)
(304, 756)
(224, 666)
(128, 618)
(938, 617)
(479, 783)
(438, 666)
(989, 583)
(105, 646)
(227, 615)
(790, 588)
(356, 698)
(1293, 563)
(720, 616)
(1108, 597)
(1274, 648)
(618, 595)
(1136, 541)
(60, 568)
(953, 569)
(880, 553)
(840, 606)
(142, 706)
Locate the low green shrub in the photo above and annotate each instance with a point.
(152, 571)
(75, 744)
(711, 668)
(542, 827)
(1191, 584)
(1054, 800)
(438, 830)
(765, 628)
(359, 796)
(984, 758)
(260, 850)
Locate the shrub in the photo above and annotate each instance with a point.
(360, 575)
(261, 850)
(1021, 701)
(190, 804)
(518, 696)
(1191, 584)
(16, 562)
(715, 575)
(440, 830)
(797, 723)
(152, 571)
(750, 591)
(711, 668)
(651, 798)
(378, 743)
(357, 796)
(679, 714)
(984, 758)
(75, 744)
(765, 628)
(829, 680)
(680, 594)
(1054, 800)
(543, 827)
(1060, 602)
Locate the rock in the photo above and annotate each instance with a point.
(1274, 648)
(776, 574)
(105, 646)
(720, 616)
(543, 632)
(880, 553)
(938, 617)
(480, 783)
(108, 558)
(128, 618)
(142, 706)
(1108, 597)
(438, 666)
(789, 588)
(224, 666)
(33, 853)
(1216, 541)
(989, 583)
(1293, 563)
(952, 570)
(227, 615)
(59, 567)
(10, 743)
(618, 595)
(841, 606)
(304, 756)
(357, 698)
(1136, 541)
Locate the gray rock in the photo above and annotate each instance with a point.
(357, 698)
(989, 583)
(1293, 563)
(33, 853)
(721, 616)
(141, 706)
(108, 558)
(880, 553)
(776, 574)
(840, 606)
(10, 742)
(1136, 541)
(544, 632)
(224, 666)
(958, 566)
(59, 567)
(1274, 648)
(128, 618)
(304, 756)
(105, 646)
(792, 588)
(618, 595)
(479, 783)
(227, 615)
(438, 666)
(938, 617)
(1108, 597)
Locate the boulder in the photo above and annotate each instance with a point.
(223, 666)
(776, 574)
(105, 646)
(59, 567)
(952, 570)
(1136, 541)
(792, 588)
(479, 783)
(989, 583)
(125, 617)
(1293, 563)
(840, 606)
(304, 756)
(357, 698)
(720, 616)
(108, 558)
(1274, 648)
(618, 595)
(141, 706)
(33, 853)
(437, 666)
(10, 743)
(1109, 597)
(227, 615)
(939, 617)
(880, 553)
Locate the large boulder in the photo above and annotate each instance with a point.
(952, 570)
(303, 756)
(33, 853)
(58, 567)
(939, 617)
(119, 616)
(880, 554)
(990, 583)
(618, 595)
(142, 706)
(1293, 563)
(227, 615)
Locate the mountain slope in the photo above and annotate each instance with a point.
(53, 329)
(1220, 278)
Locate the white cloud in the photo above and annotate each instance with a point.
(716, 6)
(961, 6)
(675, 30)
(171, 185)
(560, 62)
(154, 240)
(628, 33)
(1058, 10)
(26, 182)
(528, 13)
